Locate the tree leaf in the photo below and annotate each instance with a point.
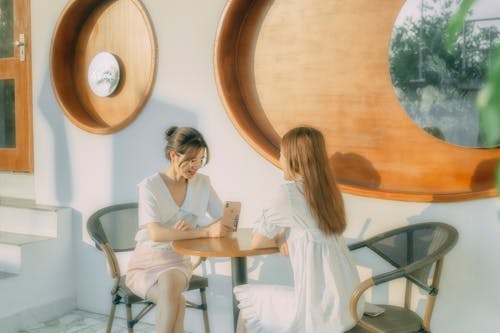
(456, 23)
(498, 179)
(488, 102)
(489, 118)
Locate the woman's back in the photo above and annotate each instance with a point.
(324, 273)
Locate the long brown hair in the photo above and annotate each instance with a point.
(305, 155)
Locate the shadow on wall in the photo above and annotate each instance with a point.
(368, 261)
(51, 111)
(354, 169)
(272, 269)
(92, 276)
(469, 268)
(138, 149)
(269, 266)
(484, 175)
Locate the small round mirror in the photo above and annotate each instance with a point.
(437, 87)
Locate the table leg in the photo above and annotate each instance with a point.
(239, 276)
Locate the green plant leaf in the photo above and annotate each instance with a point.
(456, 23)
(485, 95)
(489, 118)
(494, 65)
(498, 179)
(488, 102)
(488, 99)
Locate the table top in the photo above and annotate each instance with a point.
(236, 244)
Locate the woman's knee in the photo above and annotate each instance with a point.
(172, 283)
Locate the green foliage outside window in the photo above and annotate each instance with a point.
(488, 100)
(436, 85)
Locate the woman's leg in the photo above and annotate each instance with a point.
(167, 295)
(179, 324)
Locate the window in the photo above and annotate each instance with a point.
(16, 147)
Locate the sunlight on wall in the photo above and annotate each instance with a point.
(17, 185)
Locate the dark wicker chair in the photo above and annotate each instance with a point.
(413, 250)
(113, 229)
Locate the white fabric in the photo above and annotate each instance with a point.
(324, 275)
(151, 259)
(147, 264)
(157, 205)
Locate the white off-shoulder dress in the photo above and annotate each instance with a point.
(323, 271)
(150, 259)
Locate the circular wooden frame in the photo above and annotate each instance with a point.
(85, 28)
(263, 46)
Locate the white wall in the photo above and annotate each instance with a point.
(86, 171)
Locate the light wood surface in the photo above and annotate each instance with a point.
(237, 244)
(280, 64)
(87, 27)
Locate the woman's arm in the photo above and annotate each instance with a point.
(270, 228)
(259, 241)
(149, 216)
(160, 233)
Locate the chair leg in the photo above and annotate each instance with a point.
(110, 318)
(205, 310)
(130, 320)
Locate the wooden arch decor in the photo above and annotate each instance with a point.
(280, 64)
(86, 28)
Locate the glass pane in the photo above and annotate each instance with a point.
(6, 29)
(7, 114)
(436, 87)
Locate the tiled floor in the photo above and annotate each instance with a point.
(85, 322)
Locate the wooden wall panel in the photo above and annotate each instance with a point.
(86, 28)
(280, 64)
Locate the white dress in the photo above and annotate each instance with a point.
(150, 259)
(323, 271)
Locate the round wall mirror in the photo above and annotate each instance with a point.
(438, 88)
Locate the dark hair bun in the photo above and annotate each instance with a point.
(170, 132)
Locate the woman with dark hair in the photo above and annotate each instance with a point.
(306, 220)
(172, 203)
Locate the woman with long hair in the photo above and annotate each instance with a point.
(306, 220)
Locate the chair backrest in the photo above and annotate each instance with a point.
(113, 229)
(415, 248)
(115, 225)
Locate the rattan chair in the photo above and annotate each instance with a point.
(415, 251)
(113, 229)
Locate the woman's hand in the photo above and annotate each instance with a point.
(182, 226)
(284, 248)
(218, 229)
(281, 242)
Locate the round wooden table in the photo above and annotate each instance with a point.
(237, 246)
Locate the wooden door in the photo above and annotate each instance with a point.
(16, 147)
